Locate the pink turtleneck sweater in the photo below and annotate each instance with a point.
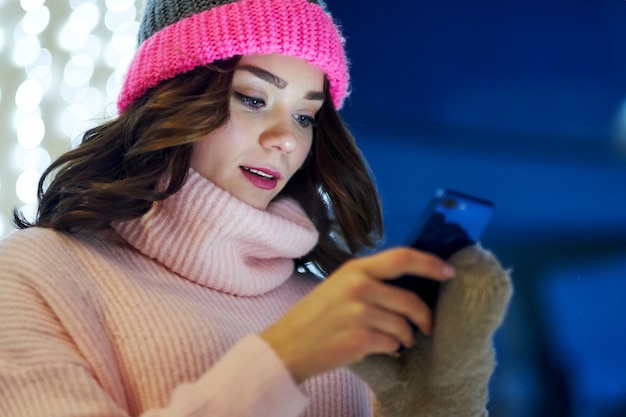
(160, 316)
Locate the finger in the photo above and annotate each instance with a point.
(401, 302)
(384, 343)
(393, 263)
(391, 324)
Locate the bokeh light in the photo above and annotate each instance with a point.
(36, 20)
(78, 70)
(26, 186)
(26, 50)
(30, 132)
(29, 5)
(62, 71)
(36, 159)
(2, 39)
(28, 95)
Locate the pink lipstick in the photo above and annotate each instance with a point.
(264, 179)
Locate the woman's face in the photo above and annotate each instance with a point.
(270, 130)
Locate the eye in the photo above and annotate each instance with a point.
(253, 103)
(305, 121)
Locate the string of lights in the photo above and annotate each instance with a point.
(61, 70)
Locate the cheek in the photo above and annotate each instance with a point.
(206, 157)
(306, 151)
(199, 155)
(210, 149)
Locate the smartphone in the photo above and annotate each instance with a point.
(451, 221)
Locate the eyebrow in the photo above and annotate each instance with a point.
(278, 82)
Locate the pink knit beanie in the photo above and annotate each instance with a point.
(177, 36)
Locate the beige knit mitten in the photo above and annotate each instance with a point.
(446, 374)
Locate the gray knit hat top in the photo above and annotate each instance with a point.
(177, 36)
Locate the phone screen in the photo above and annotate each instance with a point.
(450, 222)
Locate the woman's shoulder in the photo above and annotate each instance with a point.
(21, 241)
(36, 241)
(44, 237)
(39, 251)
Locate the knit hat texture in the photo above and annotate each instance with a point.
(177, 36)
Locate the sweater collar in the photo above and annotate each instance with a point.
(208, 236)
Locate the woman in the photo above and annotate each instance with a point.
(167, 271)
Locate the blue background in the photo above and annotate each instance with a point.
(521, 103)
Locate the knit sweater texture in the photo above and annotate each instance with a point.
(160, 316)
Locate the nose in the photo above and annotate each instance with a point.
(279, 136)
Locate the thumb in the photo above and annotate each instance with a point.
(471, 307)
(479, 294)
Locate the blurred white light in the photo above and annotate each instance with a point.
(19, 157)
(26, 186)
(78, 70)
(30, 132)
(84, 18)
(67, 92)
(28, 5)
(28, 95)
(114, 85)
(41, 70)
(100, 36)
(115, 18)
(28, 211)
(119, 5)
(75, 120)
(75, 3)
(114, 58)
(124, 37)
(26, 50)
(69, 121)
(90, 99)
(80, 112)
(43, 75)
(110, 111)
(37, 159)
(19, 116)
(90, 48)
(70, 40)
(44, 58)
(36, 20)
(18, 32)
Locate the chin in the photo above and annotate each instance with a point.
(259, 204)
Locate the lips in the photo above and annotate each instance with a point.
(264, 179)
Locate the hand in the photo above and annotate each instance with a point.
(353, 313)
(447, 374)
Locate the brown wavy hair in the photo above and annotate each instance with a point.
(115, 172)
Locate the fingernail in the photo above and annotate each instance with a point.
(448, 270)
